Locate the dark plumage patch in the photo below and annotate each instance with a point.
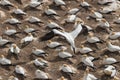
(47, 36)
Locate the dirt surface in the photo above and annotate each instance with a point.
(55, 63)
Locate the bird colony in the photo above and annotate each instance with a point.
(59, 39)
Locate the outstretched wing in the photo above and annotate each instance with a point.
(75, 32)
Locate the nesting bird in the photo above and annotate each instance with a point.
(88, 76)
(5, 61)
(110, 70)
(114, 35)
(20, 70)
(54, 44)
(112, 48)
(49, 11)
(40, 62)
(14, 49)
(42, 75)
(29, 29)
(109, 60)
(104, 2)
(6, 3)
(38, 52)
(10, 32)
(4, 42)
(85, 5)
(68, 69)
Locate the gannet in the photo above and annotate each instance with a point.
(28, 38)
(49, 11)
(13, 78)
(73, 11)
(106, 10)
(104, 2)
(84, 49)
(20, 70)
(93, 39)
(70, 37)
(60, 3)
(54, 44)
(114, 35)
(34, 3)
(61, 48)
(71, 18)
(110, 70)
(38, 52)
(104, 23)
(40, 62)
(64, 54)
(117, 20)
(42, 75)
(62, 78)
(53, 25)
(4, 41)
(29, 29)
(12, 21)
(96, 15)
(10, 32)
(33, 19)
(112, 48)
(88, 61)
(6, 3)
(85, 5)
(68, 69)
(88, 76)
(18, 11)
(109, 60)
(14, 49)
(4, 61)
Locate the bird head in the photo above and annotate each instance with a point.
(84, 55)
(2, 56)
(62, 78)
(14, 45)
(105, 56)
(103, 20)
(87, 70)
(16, 7)
(90, 34)
(7, 28)
(116, 78)
(49, 41)
(65, 65)
(82, 46)
(26, 26)
(34, 48)
(11, 78)
(113, 33)
(49, 21)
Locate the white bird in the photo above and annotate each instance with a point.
(68, 69)
(49, 11)
(18, 11)
(114, 35)
(84, 49)
(59, 2)
(65, 54)
(88, 76)
(62, 78)
(13, 78)
(106, 10)
(38, 52)
(117, 20)
(85, 5)
(104, 24)
(29, 29)
(54, 44)
(4, 61)
(70, 37)
(104, 2)
(53, 25)
(110, 70)
(109, 60)
(12, 21)
(93, 39)
(28, 38)
(34, 3)
(40, 62)
(20, 70)
(33, 19)
(88, 61)
(4, 41)
(10, 32)
(6, 3)
(42, 75)
(96, 15)
(14, 49)
(61, 48)
(112, 48)
(71, 18)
